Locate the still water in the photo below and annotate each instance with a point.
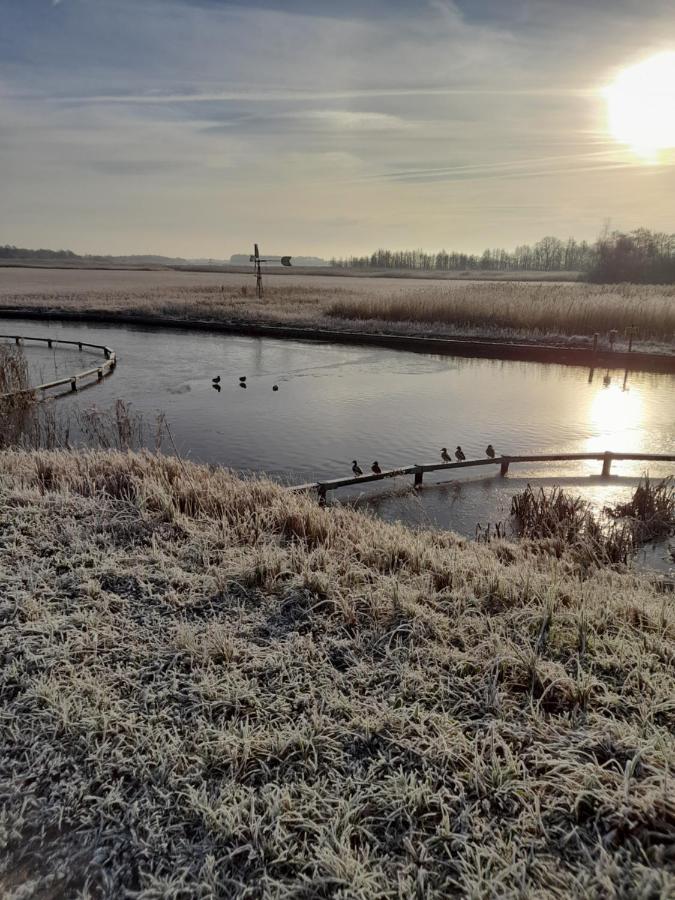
(339, 403)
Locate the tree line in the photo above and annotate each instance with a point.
(8, 251)
(639, 255)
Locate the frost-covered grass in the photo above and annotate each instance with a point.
(212, 687)
(567, 313)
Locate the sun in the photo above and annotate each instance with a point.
(641, 106)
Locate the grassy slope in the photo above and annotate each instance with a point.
(212, 688)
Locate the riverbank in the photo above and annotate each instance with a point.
(557, 315)
(209, 682)
(487, 348)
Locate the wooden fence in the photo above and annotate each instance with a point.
(99, 371)
(504, 463)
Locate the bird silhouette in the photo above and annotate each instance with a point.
(490, 451)
(376, 468)
(216, 387)
(242, 384)
(242, 378)
(459, 453)
(275, 387)
(445, 456)
(216, 380)
(356, 468)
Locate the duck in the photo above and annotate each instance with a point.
(242, 378)
(356, 468)
(243, 384)
(216, 380)
(490, 451)
(216, 387)
(459, 454)
(376, 468)
(445, 456)
(275, 387)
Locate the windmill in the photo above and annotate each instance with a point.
(257, 267)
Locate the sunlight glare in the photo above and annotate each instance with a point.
(615, 420)
(641, 106)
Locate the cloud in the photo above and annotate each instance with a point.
(121, 118)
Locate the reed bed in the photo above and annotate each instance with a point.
(214, 688)
(504, 310)
(543, 308)
(651, 509)
(568, 524)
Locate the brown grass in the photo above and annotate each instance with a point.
(214, 688)
(497, 310)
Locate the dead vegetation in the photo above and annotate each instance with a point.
(498, 310)
(211, 687)
(650, 511)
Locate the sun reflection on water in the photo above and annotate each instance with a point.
(616, 420)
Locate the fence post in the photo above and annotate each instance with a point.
(595, 342)
(73, 384)
(321, 489)
(504, 468)
(419, 475)
(606, 464)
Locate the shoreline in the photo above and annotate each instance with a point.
(483, 348)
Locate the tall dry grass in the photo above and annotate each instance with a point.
(213, 688)
(451, 308)
(558, 309)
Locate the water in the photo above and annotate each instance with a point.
(338, 403)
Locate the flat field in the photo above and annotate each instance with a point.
(563, 312)
(212, 688)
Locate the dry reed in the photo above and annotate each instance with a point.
(497, 310)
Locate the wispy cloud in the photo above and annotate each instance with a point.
(121, 120)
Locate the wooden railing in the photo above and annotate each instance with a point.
(504, 463)
(99, 371)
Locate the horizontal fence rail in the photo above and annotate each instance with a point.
(504, 463)
(99, 371)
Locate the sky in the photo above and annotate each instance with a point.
(196, 127)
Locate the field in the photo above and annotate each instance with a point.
(213, 688)
(562, 312)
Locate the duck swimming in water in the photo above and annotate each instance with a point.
(242, 378)
(216, 380)
(490, 451)
(356, 468)
(376, 468)
(445, 456)
(459, 454)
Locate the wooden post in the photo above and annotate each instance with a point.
(322, 494)
(106, 353)
(79, 345)
(73, 384)
(606, 464)
(595, 342)
(419, 475)
(17, 340)
(49, 343)
(100, 374)
(504, 468)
